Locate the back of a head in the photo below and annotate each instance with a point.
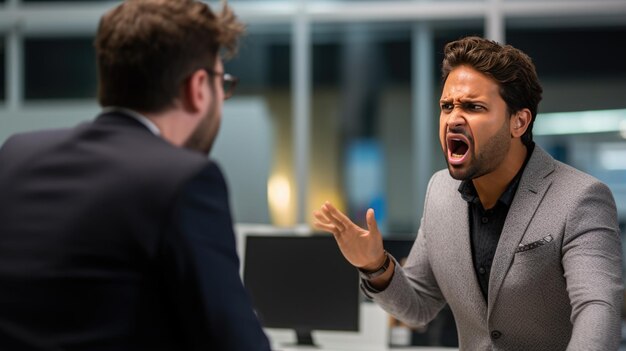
(509, 67)
(147, 48)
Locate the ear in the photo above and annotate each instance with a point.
(520, 121)
(195, 92)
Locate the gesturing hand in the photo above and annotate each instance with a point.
(362, 248)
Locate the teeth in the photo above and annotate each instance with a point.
(456, 155)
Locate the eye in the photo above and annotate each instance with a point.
(446, 106)
(470, 107)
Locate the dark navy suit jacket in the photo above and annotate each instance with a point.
(113, 239)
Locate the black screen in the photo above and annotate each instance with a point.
(398, 248)
(301, 282)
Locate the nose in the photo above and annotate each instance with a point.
(455, 118)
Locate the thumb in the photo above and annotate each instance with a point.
(371, 222)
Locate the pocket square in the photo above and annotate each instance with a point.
(534, 244)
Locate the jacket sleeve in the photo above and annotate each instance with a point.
(413, 295)
(592, 263)
(202, 270)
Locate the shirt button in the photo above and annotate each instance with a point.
(485, 220)
(496, 334)
(482, 270)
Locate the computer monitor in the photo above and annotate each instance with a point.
(399, 248)
(302, 283)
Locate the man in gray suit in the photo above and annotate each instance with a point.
(524, 249)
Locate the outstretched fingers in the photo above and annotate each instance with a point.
(323, 223)
(321, 217)
(335, 213)
(337, 218)
(330, 219)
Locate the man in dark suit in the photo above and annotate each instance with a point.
(116, 234)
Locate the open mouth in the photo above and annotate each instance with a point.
(458, 149)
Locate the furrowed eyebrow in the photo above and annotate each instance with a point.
(471, 101)
(463, 101)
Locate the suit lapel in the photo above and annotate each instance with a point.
(459, 244)
(533, 186)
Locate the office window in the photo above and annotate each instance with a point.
(254, 145)
(263, 61)
(59, 68)
(361, 112)
(581, 68)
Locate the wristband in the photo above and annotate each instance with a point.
(369, 275)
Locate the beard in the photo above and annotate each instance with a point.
(494, 152)
(203, 137)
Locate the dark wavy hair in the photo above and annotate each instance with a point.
(146, 49)
(512, 70)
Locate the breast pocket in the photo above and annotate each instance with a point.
(534, 250)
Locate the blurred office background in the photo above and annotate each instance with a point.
(338, 99)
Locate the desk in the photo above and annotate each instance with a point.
(373, 335)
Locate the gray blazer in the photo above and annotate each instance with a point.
(556, 278)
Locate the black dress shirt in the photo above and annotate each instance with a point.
(486, 224)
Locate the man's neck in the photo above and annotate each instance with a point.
(491, 186)
(136, 115)
(172, 126)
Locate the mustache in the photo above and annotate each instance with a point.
(460, 130)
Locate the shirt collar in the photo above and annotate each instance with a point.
(469, 194)
(137, 116)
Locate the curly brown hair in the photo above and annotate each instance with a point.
(511, 69)
(146, 49)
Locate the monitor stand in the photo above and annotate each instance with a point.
(305, 338)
